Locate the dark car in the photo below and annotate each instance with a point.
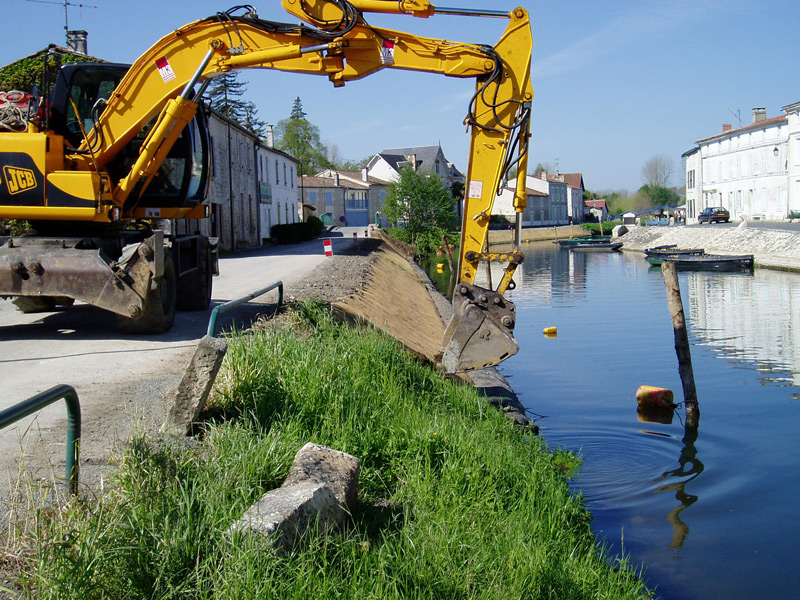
(714, 213)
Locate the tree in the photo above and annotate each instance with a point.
(226, 94)
(658, 170)
(336, 159)
(252, 122)
(299, 138)
(653, 195)
(420, 203)
(543, 168)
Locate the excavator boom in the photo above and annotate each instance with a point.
(133, 130)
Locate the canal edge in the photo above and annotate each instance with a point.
(488, 382)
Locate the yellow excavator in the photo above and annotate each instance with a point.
(116, 147)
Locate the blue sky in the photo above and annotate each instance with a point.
(615, 82)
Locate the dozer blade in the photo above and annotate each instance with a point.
(480, 334)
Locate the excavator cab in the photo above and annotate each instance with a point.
(78, 87)
(79, 96)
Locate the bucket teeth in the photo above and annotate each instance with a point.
(480, 334)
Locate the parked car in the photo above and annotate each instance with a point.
(714, 213)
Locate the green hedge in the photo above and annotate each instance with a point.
(294, 233)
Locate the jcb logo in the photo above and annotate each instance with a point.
(18, 179)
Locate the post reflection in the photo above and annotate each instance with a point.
(689, 469)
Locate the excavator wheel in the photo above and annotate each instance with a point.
(161, 304)
(194, 289)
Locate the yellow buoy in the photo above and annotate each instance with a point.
(551, 331)
(648, 395)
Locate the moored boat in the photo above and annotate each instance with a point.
(711, 262)
(655, 256)
(597, 246)
(597, 239)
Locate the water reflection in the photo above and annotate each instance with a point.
(722, 310)
(690, 468)
(615, 335)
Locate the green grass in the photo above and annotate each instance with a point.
(455, 502)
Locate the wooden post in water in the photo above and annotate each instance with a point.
(670, 273)
(488, 264)
(452, 267)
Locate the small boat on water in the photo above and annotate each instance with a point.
(711, 262)
(597, 246)
(655, 256)
(597, 239)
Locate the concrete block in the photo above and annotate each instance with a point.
(337, 470)
(283, 515)
(193, 391)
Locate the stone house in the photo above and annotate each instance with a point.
(338, 200)
(753, 171)
(598, 209)
(252, 186)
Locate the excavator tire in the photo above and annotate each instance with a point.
(194, 290)
(161, 306)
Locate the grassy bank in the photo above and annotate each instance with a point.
(454, 501)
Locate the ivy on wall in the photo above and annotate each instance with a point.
(24, 73)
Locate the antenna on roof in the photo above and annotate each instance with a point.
(65, 4)
(738, 114)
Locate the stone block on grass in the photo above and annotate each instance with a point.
(281, 517)
(337, 470)
(192, 394)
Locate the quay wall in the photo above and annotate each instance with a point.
(770, 248)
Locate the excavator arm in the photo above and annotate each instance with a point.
(166, 82)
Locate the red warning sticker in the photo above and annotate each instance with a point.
(387, 52)
(165, 69)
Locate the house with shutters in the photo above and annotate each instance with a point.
(251, 186)
(550, 200)
(753, 171)
(356, 198)
(343, 197)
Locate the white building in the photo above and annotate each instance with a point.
(753, 171)
(428, 160)
(548, 199)
(277, 187)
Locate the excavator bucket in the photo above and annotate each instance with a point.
(480, 334)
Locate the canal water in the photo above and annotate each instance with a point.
(710, 514)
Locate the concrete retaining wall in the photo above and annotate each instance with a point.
(770, 248)
(538, 234)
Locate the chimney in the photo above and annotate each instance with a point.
(77, 41)
(759, 114)
(365, 174)
(726, 127)
(270, 137)
(412, 158)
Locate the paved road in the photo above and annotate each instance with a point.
(120, 376)
(777, 225)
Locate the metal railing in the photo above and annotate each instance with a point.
(212, 321)
(34, 404)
